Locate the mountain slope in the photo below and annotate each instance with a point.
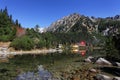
(64, 24)
(72, 23)
(80, 23)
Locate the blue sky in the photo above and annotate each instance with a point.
(44, 12)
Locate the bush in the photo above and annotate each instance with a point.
(41, 44)
(111, 52)
(23, 43)
(4, 38)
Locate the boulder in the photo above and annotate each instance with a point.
(93, 70)
(103, 61)
(116, 78)
(118, 64)
(102, 77)
(89, 59)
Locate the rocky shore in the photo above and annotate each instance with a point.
(91, 69)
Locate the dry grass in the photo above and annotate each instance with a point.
(5, 44)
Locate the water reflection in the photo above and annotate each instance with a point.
(5, 57)
(27, 63)
(41, 74)
(79, 48)
(77, 51)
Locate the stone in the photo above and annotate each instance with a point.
(40, 68)
(93, 70)
(118, 64)
(102, 77)
(116, 78)
(89, 59)
(103, 61)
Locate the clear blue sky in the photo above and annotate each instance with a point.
(44, 12)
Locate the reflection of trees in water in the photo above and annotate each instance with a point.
(88, 51)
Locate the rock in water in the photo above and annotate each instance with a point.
(93, 70)
(116, 78)
(40, 68)
(102, 77)
(103, 61)
(118, 64)
(89, 59)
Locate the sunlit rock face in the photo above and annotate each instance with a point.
(72, 23)
(80, 23)
(65, 23)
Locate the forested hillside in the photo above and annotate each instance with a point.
(8, 27)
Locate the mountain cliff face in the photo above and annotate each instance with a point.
(80, 23)
(73, 23)
(64, 24)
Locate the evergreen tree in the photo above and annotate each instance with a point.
(111, 52)
(16, 22)
(37, 28)
(6, 26)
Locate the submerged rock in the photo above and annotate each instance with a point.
(40, 68)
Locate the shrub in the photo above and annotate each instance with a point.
(41, 44)
(111, 52)
(23, 43)
(4, 38)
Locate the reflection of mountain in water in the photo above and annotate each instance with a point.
(42, 74)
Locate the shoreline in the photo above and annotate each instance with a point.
(42, 51)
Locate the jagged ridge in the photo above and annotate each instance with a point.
(73, 22)
(80, 23)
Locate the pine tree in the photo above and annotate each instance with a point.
(111, 51)
(6, 26)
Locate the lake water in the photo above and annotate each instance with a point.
(16, 65)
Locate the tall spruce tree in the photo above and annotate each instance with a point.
(7, 31)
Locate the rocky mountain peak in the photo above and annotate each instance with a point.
(80, 23)
(64, 23)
